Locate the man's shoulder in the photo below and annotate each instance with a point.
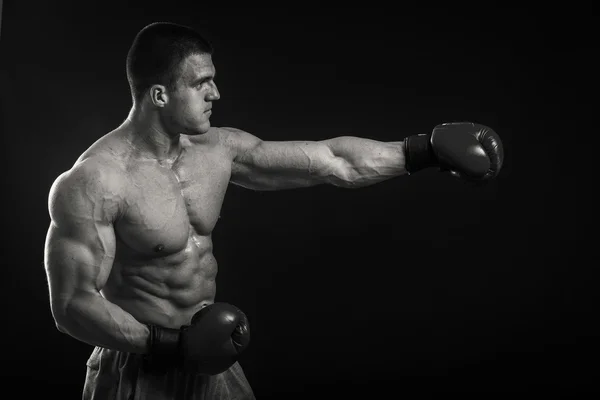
(93, 176)
(232, 140)
(215, 135)
(216, 140)
(93, 185)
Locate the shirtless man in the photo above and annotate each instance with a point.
(128, 253)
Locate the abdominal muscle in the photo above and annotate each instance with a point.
(165, 290)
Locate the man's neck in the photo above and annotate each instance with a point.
(150, 138)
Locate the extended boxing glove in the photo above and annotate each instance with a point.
(470, 151)
(210, 344)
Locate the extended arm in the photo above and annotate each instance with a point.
(79, 253)
(344, 161)
(467, 150)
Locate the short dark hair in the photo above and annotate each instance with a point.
(156, 54)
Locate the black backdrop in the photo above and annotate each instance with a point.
(414, 286)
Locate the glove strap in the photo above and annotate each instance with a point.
(418, 153)
(163, 341)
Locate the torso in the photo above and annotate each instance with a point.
(164, 268)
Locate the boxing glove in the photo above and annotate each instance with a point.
(209, 345)
(470, 151)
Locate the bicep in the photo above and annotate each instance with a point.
(80, 243)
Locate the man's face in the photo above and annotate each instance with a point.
(191, 100)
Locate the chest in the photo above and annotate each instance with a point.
(166, 205)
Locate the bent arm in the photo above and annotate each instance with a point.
(79, 253)
(344, 161)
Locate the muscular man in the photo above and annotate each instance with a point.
(129, 253)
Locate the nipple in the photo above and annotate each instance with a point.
(159, 248)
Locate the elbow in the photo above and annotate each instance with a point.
(61, 323)
(346, 179)
(347, 184)
(339, 174)
(354, 177)
(60, 327)
(344, 183)
(59, 313)
(344, 174)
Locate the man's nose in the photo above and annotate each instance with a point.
(214, 94)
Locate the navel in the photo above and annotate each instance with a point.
(159, 248)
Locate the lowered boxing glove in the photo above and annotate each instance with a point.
(470, 151)
(210, 344)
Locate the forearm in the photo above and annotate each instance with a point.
(363, 162)
(94, 320)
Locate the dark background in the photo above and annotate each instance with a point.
(415, 286)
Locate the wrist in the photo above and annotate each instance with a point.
(163, 341)
(418, 153)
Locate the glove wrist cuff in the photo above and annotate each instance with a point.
(418, 153)
(163, 341)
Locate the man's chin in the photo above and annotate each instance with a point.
(201, 130)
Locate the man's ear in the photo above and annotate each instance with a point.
(158, 95)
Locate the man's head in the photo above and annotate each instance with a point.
(170, 66)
